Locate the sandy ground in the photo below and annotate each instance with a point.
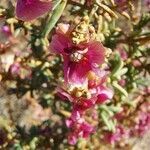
(142, 143)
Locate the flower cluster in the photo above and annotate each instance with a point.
(86, 60)
(84, 84)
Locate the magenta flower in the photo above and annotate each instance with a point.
(143, 124)
(15, 69)
(79, 103)
(117, 136)
(103, 94)
(97, 95)
(27, 10)
(78, 59)
(6, 30)
(79, 128)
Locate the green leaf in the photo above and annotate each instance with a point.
(119, 65)
(105, 118)
(119, 88)
(54, 18)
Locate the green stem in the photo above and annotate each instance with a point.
(54, 18)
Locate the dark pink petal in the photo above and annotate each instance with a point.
(27, 10)
(87, 129)
(119, 133)
(96, 53)
(59, 43)
(76, 116)
(76, 72)
(104, 94)
(84, 103)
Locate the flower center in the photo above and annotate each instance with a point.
(76, 56)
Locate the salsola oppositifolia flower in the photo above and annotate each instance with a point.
(117, 135)
(84, 81)
(79, 58)
(79, 128)
(83, 98)
(86, 95)
(27, 10)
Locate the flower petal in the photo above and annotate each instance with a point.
(64, 95)
(96, 53)
(59, 43)
(104, 94)
(84, 103)
(27, 10)
(75, 72)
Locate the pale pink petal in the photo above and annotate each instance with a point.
(62, 28)
(72, 139)
(68, 123)
(64, 95)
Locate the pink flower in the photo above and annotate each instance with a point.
(6, 30)
(15, 69)
(103, 94)
(123, 53)
(79, 103)
(27, 10)
(79, 128)
(143, 124)
(117, 136)
(136, 63)
(97, 95)
(79, 59)
(122, 82)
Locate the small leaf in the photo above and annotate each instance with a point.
(118, 67)
(119, 88)
(105, 118)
